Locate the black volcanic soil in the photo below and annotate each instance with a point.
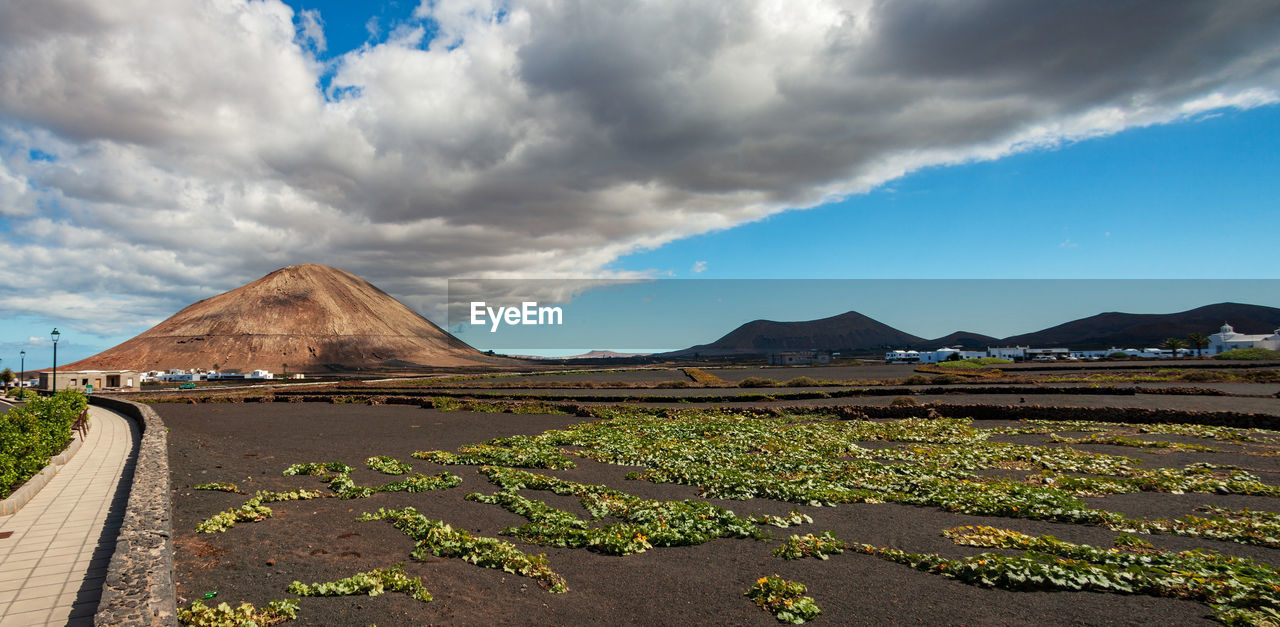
(822, 373)
(637, 375)
(318, 540)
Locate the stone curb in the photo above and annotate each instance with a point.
(139, 588)
(32, 487)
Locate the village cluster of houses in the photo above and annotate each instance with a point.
(96, 380)
(178, 375)
(1224, 340)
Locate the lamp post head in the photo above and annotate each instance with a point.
(54, 335)
(22, 353)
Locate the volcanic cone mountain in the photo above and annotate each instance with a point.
(311, 317)
(849, 331)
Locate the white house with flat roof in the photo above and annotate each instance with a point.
(1227, 339)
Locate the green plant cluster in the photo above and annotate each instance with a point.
(1258, 354)
(784, 599)
(1120, 440)
(645, 523)
(809, 545)
(702, 376)
(371, 583)
(253, 510)
(972, 364)
(423, 483)
(1237, 589)
(812, 458)
(218, 487)
(1198, 375)
(245, 615)
(388, 465)
(1207, 432)
(518, 451)
(794, 517)
(437, 538)
(317, 468)
(445, 403)
(344, 487)
(33, 433)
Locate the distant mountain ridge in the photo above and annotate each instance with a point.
(854, 332)
(1126, 330)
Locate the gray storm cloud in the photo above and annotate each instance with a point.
(171, 150)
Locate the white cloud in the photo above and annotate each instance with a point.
(699, 267)
(191, 150)
(311, 30)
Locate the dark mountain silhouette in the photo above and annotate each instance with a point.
(960, 339)
(310, 317)
(854, 332)
(850, 331)
(1126, 330)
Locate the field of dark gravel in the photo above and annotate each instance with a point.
(318, 540)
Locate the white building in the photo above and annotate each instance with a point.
(902, 357)
(1046, 354)
(930, 357)
(1012, 353)
(1227, 339)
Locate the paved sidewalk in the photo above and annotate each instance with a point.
(53, 566)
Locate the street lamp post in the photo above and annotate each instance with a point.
(54, 336)
(22, 357)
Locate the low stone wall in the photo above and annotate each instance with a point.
(1139, 415)
(139, 588)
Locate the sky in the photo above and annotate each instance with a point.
(155, 153)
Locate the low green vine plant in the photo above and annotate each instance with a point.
(809, 545)
(434, 537)
(371, 583)
(784, 599)
(223, 615)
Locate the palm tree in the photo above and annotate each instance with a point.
(1198, 341)
(1173, 344)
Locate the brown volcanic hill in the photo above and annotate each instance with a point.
(1126, 330)
(850, 331)
(310, 317)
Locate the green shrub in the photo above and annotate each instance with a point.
(916, 379)
(757, 382)
(1261, 375)
(33, 433)
(1249, 353)
(1118, 355)
(1196, 376)
(946, 379)
(904, 401)
(702, 376)
(973, 364)
(802, 382)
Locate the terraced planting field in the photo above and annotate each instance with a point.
(467, 511)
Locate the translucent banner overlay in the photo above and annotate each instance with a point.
(561, 317)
